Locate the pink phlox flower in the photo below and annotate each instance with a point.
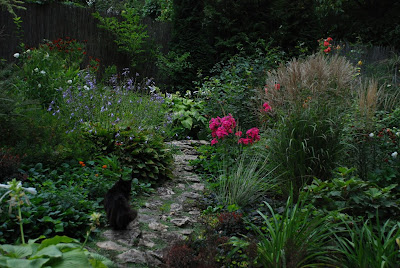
(238, 134)
(221, 132)
(267, 107)
(229, 123)
(277, 86)
(215, 123)
(252, 132)
(214, 141)
(245, 141)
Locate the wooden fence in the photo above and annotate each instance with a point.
(53, 21)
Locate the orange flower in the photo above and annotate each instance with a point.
(104, 166)
(96, 175)
(82, 163)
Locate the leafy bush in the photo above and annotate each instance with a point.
(232, 89)
(58, 251)
(45, 69)
(57, 208)
(130, 34)
(187, 117)
(142, 151)
(375, 147)
(351, 195)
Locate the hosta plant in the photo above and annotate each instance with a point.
(58, 251)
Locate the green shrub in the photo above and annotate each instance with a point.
(375, 145)
(45, 69)
(130, 34)
(349, 194)
(232, 90)
(56, 209)
(58, 251)
(186, 116)
(143, 151)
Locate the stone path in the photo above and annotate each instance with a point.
(168, 214)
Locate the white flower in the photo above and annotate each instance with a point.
(42, 72)
(28, 51)
(30, 190)
(36, 69)
(39, 85)
(398, 134)
(47, 55)
(394, 155)
(69, 81)
(371, 134)
(16, 55)
(85, 87)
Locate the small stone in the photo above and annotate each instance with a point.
(186, 231)
(147, 218)
(176, 207)
(181, 186)
(153, 260)
(181, 221)
(164, 191)
(191, 195)
(156, 226)
(194, 212)
(110, 245)
(197, 186)
(193, 178)
(146, 243)
(132, 256)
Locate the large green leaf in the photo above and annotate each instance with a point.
(19, 251)
(50, 251)
(73, 258)
(56, 240)
(187, 122)
(22, 263)
(98, 261)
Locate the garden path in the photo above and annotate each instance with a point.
(168, 214)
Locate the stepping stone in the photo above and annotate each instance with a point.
(181, 221)
(110, 245)
(193, 178)
(175, 207)
(191, 195)
(197, 186)
(156, 226)
(133, 256)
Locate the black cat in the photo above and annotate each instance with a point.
(116, 204)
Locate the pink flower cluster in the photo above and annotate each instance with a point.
(222, 127)
(252, 135)
(267, 107)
